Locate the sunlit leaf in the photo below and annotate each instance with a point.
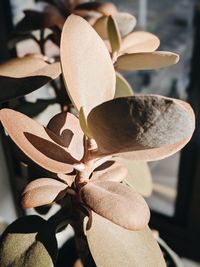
(22, 76)
(139, 175)
(141, 124)
(117, 202)
(125, 22)
(146, 61)
(113, 34)
(139, 42)
(41, 192)
(37, 142)
(129, 248)
(67, 127)
(103, 8)
(90, 79)
(123, 88)
(29, 241)
(83, 123)
(36, 20)
(110, 171)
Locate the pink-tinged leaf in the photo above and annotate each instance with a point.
(103, 8)
(139, 42)
(24, 75)
(110, 171)
(141, 124)
(87, 68)
(129, 248)
(67, 127)
(146, 61)
(41, 192)
(139, 176)
(37, 142)
(125, 22)
(117, 202)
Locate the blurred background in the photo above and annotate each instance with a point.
(175, 202)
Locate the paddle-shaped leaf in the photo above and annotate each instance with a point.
(110, 171)
(139, 42)
(37, 142)
(139, 175)
(146, 61)
(29, 241)
(123, 88)
(83, 123)
(117, 202)
(41, 192)
(90, 79)
(113, 34)
(141, 123)
(67, 127)
(125, 22)
(113, 246)
(22, 76)
(103, 8)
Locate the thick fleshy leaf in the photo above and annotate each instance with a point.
(37, 142)
(67, 127)
(123, 88)
(29, 241)
(83, 123)
(110, 171)
(141, 123)
(139, 175)
(88, 70)
(125, 22)
(113, 34)
(146, 61)
(128, 248)
(41, 192)
(103, 8)
(22, 76)
(36, 20)
(139, 42)
(117, 202)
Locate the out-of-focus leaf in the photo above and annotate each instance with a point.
(125, 22)
(90, 79)
(66, 126)
(123, 88)
(29, 241)
(139, 175)
(54, 37)
(16, 38)
(113, 34)
(117, 202)
(103, 8)
(141, 124)
(22, 76)
(110, 171)
(41, 192)
(83, 123)
(36, 20)
(37, 142)
(139, 42)
(169, 254)
(129, 248)
(146, 61)
(33, 109)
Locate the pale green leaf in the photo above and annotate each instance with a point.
(123, 88)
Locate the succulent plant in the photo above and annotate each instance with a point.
(88, 154)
